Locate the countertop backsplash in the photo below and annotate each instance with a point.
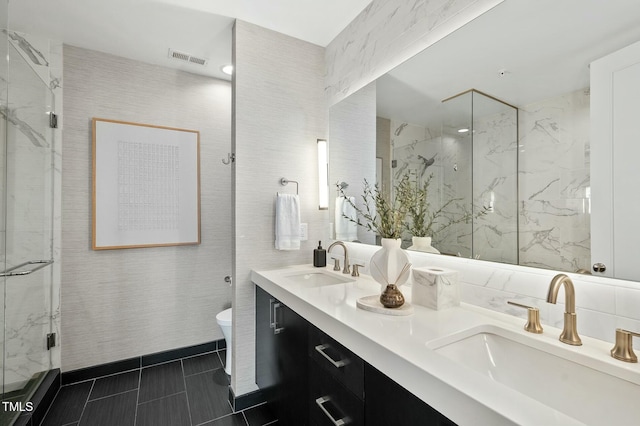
(602, 304)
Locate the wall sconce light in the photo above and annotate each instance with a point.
(323, 175)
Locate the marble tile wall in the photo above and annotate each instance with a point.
(33, 301)
(554, 183)
(279, 113)
(118, 304)
(422, 154)
(388, 33)
(602, 304)
(553, 163)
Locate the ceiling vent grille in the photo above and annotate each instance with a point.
(181, 56)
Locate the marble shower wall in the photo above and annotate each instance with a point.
(495, 186)
(387, 33)
(553, 169)
(33, 215)
(554, 183)
(446, 160)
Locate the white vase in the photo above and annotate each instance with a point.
(390, 264)
(422, 244)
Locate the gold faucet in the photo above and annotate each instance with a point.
(346, 269)
(533, 318)
(623, 349)
(569, 334)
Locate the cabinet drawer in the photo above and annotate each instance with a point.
(330, 403)
(333, 358)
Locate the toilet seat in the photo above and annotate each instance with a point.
(224, 317)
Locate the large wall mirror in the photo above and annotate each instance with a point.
(496, 115)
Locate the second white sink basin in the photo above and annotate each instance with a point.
(557, 377)
(318, 278)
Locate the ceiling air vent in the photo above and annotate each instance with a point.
(181, 56)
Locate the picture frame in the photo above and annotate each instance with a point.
(146, 185)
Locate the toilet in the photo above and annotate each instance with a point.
(224, 321)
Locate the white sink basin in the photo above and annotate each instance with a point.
(318, 278)
(590, 390)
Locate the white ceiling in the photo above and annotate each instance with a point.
(145, 30)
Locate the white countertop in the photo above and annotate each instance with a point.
(398, 346)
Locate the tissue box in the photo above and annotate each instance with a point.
(436, 288)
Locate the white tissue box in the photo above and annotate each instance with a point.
(436, 288)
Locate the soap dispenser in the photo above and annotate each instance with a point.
(320, 256)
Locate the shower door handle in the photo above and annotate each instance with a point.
(13, 272)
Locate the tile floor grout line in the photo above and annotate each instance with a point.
(114, 394)
(135, 414)
(186, 394)
(244, 416)
(162, 397)
(86, 402)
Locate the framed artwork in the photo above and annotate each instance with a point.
(146, 185)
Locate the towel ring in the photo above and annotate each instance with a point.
(285, 182)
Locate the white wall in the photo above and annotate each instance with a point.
(352, 150)
(118, 304)
(279, 113)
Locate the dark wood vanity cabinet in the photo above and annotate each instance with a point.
(336, 382)
(310, 379)
(281, 359)
(389, 404)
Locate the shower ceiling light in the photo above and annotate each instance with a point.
(463, 130)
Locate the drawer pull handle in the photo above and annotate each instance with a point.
(337, 364)
(339, 422)
(273, 316)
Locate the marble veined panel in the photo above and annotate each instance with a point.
(35, 51)
(554, 183)
(27, 322)
(386, 33)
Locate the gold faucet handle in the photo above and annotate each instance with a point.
(356, 271)
(623, 349)
(336, 264)
(533, 318)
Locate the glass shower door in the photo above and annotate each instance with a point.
(27, 208)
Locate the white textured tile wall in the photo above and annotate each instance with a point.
(387, 33)
(118, 304)
(602, 304)
(352, 151)
(279, 113)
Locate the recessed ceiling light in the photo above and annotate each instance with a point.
(227, 69)
(463, 130)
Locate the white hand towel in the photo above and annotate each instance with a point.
(346, 230)
(288, 222)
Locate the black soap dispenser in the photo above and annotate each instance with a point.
(319, 256)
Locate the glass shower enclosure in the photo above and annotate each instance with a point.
(480, 150)
(26, 229)
(469, 163)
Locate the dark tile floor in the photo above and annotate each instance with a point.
(186, 392)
